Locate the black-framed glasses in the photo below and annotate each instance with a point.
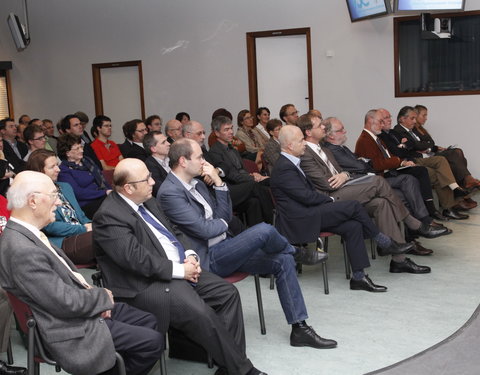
(42, 138)
(139, 181)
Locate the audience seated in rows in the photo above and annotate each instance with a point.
(81, 173)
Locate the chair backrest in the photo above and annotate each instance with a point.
(108, 176)
(22, 312)
(250, 166)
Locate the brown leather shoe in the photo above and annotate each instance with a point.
(418, 249)
(463, 205)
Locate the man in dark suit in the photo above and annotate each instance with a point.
(223, 155)
(134, 131)
(259, 249)
(71, 124)
(373, 192)
(80, 325)
(13, 150)
(144, 262)
(303, 212)
(157, 145)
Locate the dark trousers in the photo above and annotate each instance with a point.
(351, 221)
(421, 173)
(135, 337)
(209, 313)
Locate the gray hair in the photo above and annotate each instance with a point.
(370, 114)
(187, 128)
(327, 123)
(218, 121)
(22, 187)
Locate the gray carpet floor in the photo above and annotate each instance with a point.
(373, 330)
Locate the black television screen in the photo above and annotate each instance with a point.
(429, 5)
(364, 9)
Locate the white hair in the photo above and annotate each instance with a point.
(24, 184)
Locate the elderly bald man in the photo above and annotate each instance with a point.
(72, 316)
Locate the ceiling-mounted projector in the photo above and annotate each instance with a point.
(18, 31)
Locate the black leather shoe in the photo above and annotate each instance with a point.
(437, 215)
(452, 214)
(408, 266)
(461, 192)
(418, 249)
(305, 335)
(395, 248)
(309, 257)
(11, 370)
(253, 371)
(430, 231)
(366, 284)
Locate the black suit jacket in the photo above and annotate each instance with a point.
(393, 139)
(129, 254)
(88, 151)
(297, 202)
(132, 150)
(17, 163)
(158, 173)
(231, 163)
(412, 146)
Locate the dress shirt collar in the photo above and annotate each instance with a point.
(293, 159)
(313, 146)
(129, 202)
(406, 129)
(186, 185)
(164, 163)
(29, 226)
(374, 136)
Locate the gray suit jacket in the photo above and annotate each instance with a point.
(185, 211)
(68, 315)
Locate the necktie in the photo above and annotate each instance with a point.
(329, 164)
(150, 220)
(414, 135)
(384, 152)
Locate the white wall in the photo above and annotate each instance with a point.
(194, 59)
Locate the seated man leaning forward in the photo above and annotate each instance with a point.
(303, 212)
(80, 325)
(144, 262)
(259, 249)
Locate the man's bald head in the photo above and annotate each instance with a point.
(173, 128)
(291, 140)
(124, 171)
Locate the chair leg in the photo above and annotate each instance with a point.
(272, 282)
(163, 364)
(347, 262)
(263, 329)
(120, 364)
(9, 353)
(36, 369)
(373, 248)
(325, 277)
(209, 361)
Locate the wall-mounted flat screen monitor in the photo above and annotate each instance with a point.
(364, 9)
(429, 5)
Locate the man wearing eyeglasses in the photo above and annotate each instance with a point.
(173, 129)
(13, 150)
(81, 325)
(147, 263)
(34, 138)
(289, 114)
(134, 131)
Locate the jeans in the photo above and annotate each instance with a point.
(262, 250)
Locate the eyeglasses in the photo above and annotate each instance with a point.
(42, 138)
(249, 117)
(139, 181)
(53, 196)
(144, 130)
(292, 114)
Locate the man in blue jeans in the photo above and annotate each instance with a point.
(259, 249)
